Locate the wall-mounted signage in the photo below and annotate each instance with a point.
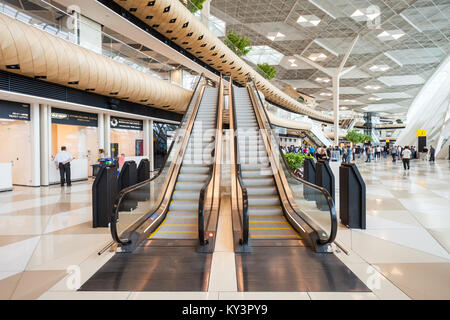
(14, 110)
(75, 118)
(421, 133)
(124, 123)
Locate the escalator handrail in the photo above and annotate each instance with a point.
(245, 217)
(333, 216)
(124, 192)
(201, 201)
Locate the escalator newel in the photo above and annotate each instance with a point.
(325, 179)
(104, 192)
(352, 196)
(309, 174)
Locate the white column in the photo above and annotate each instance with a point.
(107, 135)
(150, 145)
(35, 146)
(336, 108)
(101, 131)
(45, 127)
(146, 136)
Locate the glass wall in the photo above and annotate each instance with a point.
(128, 142)
(80, 141)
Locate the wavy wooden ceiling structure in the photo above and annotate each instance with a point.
(35, 53)
(173, 20)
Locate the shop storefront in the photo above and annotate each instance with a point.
(15, 144)
(77, 131)
(127, 137)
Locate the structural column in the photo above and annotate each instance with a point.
(45, 142)
(150, 145)
(35, 146)
(336, 108)
(107, 135)
(101, 131)
(206, 13)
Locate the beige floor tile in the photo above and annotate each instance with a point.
(263, 296)
(173, 296)
(8, 284)
(442, 236)
(342, 296)
(376, 250)
(223, 272)
(32, 284)
(61, 251)
(85, 295)
(420, 280)
(383, 204)
(5, 240)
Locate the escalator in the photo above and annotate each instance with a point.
(266, 217)
(166, 243)
(282, 237)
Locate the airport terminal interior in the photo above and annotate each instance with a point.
(224, 150)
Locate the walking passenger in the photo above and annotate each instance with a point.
(406, 156)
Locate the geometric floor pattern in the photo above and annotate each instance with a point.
(46, 236)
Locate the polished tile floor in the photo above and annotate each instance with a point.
(48, 247)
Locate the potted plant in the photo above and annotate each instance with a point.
(240, 45)
(267, 71)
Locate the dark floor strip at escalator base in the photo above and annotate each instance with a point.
(154, 268)
(289, 269)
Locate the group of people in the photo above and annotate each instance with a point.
(348, 153)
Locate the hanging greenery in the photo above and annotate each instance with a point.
(193, 5)
(267, 71)
(240, 45)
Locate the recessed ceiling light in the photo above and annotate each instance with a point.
(275, 36)
(364, 15)
(379, 68)
(291, 60)
(325, 80)
(308, 21)
(373, 87)
(375, 99)
(349, 100)
(294, 65)
(389, 35)
(327, 94)
(317, 57)
(343, 108)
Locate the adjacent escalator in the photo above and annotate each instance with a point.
(166, 242)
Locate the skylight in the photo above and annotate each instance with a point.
(367, 14)
(275, 36)
(264, 54)
(379, 68)
(324, 80)
(389, 35)
(308, 21)
(317, 57)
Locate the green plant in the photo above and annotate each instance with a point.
(240, 45)
(267, 71)
(399, 121)
(193, 5)
(296, 160)
(355, 137)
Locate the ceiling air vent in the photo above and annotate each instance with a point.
(151, 3)
(13, 66)
(166, 9)
(173, 20)
(149, 17)
(72, 82)
(133, 9)
(185, 24)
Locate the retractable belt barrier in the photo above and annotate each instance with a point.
(104, 191)
(352, 196)
(107, 185)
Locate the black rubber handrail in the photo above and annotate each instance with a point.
(201, 202)
(237, 163)
(124, 192)
(333, 216)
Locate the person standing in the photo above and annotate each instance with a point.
(432, 153)
(406, 156)
(424, 153)
(394, 153)
(62, 160)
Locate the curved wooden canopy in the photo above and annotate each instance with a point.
(173, 20)
(35, 53)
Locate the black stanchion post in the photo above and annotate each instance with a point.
(143, 171)
(128, 178)
(325, 179)
(309, 174)
(104, 192)
(352, 196)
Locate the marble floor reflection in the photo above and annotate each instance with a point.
(48, 246)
